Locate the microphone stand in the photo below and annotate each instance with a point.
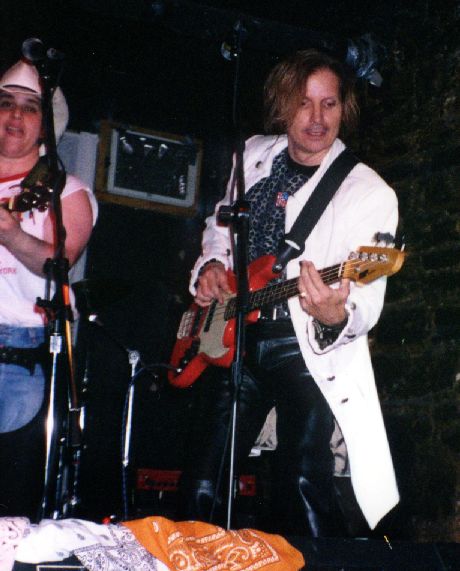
(137, 366)
(62, 425)
(237, 217)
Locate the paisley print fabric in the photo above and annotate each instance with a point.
(121, 552)
(199, 546)
(96, 546)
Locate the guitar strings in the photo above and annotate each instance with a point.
(278, 291)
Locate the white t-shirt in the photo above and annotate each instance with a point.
(19, 287)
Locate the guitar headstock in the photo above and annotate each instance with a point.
(37, 197)
(369, 263)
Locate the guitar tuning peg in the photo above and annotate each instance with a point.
(385, 237)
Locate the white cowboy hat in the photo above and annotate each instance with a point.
(23, 77)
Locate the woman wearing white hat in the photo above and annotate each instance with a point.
(26, 242)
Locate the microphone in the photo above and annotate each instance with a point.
(34, 50)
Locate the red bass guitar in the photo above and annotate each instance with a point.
(206, 334)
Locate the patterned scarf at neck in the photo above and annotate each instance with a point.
(268, 198)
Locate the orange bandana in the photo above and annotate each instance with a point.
(198, 546)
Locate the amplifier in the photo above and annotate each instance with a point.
(152, 479)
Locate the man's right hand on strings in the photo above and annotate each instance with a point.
(212, 284)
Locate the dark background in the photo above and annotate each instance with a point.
(138, 63)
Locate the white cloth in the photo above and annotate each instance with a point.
(12, 530)
(19, 287)
(98, 547)
(363, 205)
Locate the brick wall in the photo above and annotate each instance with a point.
(409, 133)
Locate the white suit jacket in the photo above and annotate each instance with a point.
(363, 205)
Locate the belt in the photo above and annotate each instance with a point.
(274, 321)
(26, 357)
(267, 329)
(279, 312)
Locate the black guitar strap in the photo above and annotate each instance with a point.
(38, 175)
(294, 241)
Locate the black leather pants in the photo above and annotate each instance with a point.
(275, 373)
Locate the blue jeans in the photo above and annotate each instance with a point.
(21, 393)
(22, 427)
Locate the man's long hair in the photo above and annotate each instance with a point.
(285, 88)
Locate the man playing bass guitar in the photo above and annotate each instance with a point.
(307, 356)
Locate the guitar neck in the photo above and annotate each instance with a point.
(282, 291)
(8, 206)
